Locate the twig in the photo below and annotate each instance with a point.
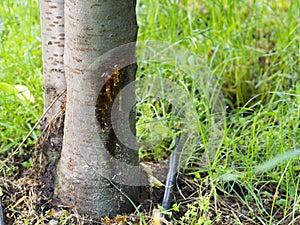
(36, 124)
(128, 198)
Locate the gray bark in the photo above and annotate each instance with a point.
(53, 38)
(49, 144)
(92, 157)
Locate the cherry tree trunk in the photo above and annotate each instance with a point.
(49, 144)
(95, 169)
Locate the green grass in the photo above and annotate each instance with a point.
(251, 45)
(251, 50)
(20, 60)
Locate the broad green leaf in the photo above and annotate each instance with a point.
(20, 91)
(9, 89)
(24, 93)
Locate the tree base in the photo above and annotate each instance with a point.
(47, 154)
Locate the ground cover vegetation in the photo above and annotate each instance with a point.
(251, 50)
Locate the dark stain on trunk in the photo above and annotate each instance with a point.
(114, 82)
(105, 101)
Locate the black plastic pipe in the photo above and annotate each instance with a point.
(1, 213)
(173, 167)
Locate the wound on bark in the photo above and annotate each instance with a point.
(113, 85)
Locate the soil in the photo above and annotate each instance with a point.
(21, 201)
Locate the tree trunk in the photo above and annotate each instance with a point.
(53, 40)
(94, 169)
(50, 141)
